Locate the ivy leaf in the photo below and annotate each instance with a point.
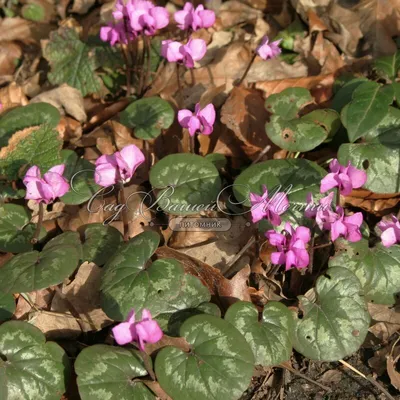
(219, 365)
(148, 117)
(295, 177)
(336, 323)
(71, 61)
(31, 271)
(100, 243)
(370, 104)
(7, 306)
(111, 372)
(40, 147)
(20, 118)
(188, 183)
(15, 230)
(30, 368)
(270, 339)
(161, 287)
(387, 67)
(377, 268)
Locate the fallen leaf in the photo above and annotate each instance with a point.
(387, 320)
(82, 6)
(234, 12)
(391, 369)
(9, 57)
(23, 30)
(332, 376)
(12, 96)
(375, 203)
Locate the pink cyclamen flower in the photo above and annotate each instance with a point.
(118, 167)
(48, 188)
(390, 231)
(291, 246)
(201, 121)
(269, 208)
(115, 33)
(268, 50)
(144, 331)
(194, 18)
(186, 54)
(348, 227)
(323, 213)
(345, 178)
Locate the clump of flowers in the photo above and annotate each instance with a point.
(390, 231)
(144, 331)
(186, 54)
(268, 208)
(118, 167)
(194, 18)
(200, 121)
(291, 245)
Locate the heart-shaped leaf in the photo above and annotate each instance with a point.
(23, 117)
(31, 271)
(148, 117)
(80, 174)
(271, 337)
(100, 243)
(15, 230)
(289, 102)
(107, 372)
(219, 365)
(390, 122)
(31, 369)
(377, 268)
(7, 306)
(387, 67)
(296, 177)
(188, 183)
(345, 93)
(162, 287)
(336, 323)
(369, 106)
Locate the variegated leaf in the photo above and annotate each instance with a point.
(219, 365)
(336, 323)
(7, 306)
(30, 368)
(377, 268)
(106, 372)
(271, 337)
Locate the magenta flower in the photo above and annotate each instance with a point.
(271, 209)
(201, 121)
(345, 178)
(268, 51)
(323, 213)
(390, 231)
(115, 33)
(48, 188)
(118, 167)
(194, 18)
(348, 227)
(145, 331)
(186, 54)
(291, 246)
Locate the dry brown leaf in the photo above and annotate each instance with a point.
(391, 369)
(82, 6)
(387, 318)
(234, 12)
(70, 130)
(66, 99)
(57, 210)
(184, 239)
(9, 56)
(23, 30)
(332, 376)
(375, 203)
(12, 96)
(315, 23)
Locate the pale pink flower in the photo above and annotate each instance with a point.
(268, 50)
(201, 121)
(48, 188)
(390, 231)
(144, 331)
(194, 18)
(115, 33)
(346, 226)
(186, 54)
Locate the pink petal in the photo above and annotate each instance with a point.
(291, 259)
(32, 175)
(355, 219)
(146, 314)
(279, 203)
(334, 166)
(172, 50)
(133, 157)
(389, 237)
(357, 176)
(197, 48)
(302, 257)
(148, 332)
(123, 333)
(303, 233)
(32, 191)
(329, 182)
(194, 125)
(184, 117)
(58, 184)
(58, 169)
(161, 17)
(208, 113)
(183, 18)
(278, 258)
(338, 229)
(106, 175)
(276, 239)
(345, 184)
(207, 17)
(274, 218)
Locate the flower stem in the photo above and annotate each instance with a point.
(122, 200)
(192, 144)
(337, 197)
(247, 70)
(35, 238)
(180, 100)
(321, 246)
(128, 72)
(147, 365)
(147, 47)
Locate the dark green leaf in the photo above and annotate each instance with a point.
(7, 306)
(388, 67)
(345, 93)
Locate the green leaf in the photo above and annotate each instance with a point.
(148, 117)
(100, 243)
(15, 230)
(396, 88)
(270, 339)
(295, 177)
(219, 160)
(188, 183)
(106, 372)
(161, 287)
(391, 121)
(41, 147)
(327, 119)
(31, 369)
(24, 117)
(345, 93)
(369, 106)
(288, 103)
(334, 325)
(31, 271)
(219, 365)
(288, 35)
(71, 62)
(7, 192)
(7, 307)
(80, 174)
(387, 67)
(33, 12)
(377, 268)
